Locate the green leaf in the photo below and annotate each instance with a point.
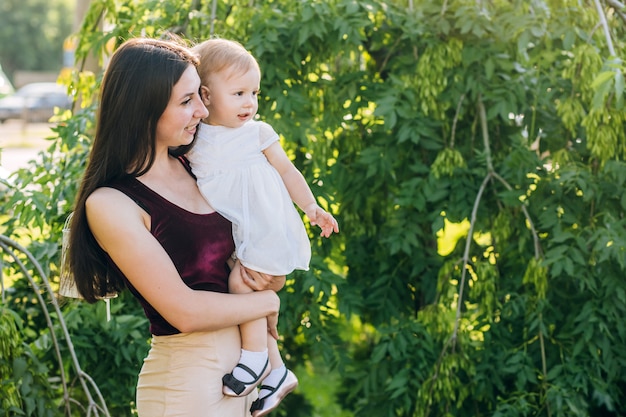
(19, 367)
(619, 89)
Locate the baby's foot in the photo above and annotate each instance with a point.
(244, 378)
(270, 396)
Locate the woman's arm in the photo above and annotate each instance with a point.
(122, 230)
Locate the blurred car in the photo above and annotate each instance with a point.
(34, 102)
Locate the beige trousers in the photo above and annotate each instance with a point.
(182, 376)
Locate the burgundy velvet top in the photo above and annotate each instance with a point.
(199, 245)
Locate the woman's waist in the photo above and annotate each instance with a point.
(222, 336)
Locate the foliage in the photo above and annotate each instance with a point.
(26, 390)
(110, 351)
(507, 116)
(28, 43)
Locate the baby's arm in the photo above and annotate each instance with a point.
(299, 190)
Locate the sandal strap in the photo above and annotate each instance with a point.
(238, 386)
(273, 389)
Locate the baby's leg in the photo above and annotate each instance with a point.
(253, 364)
(280, 382)
(272, 348)
(253, 333)
(278, 282)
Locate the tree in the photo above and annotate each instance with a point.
(474, 152)
(32, 33)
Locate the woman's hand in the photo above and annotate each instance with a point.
(272, 325)
(259, 281)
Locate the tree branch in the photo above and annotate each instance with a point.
(456, 118)
(468, 241)
(468, 244)
(605, 27)
(618, 7)
(483, 125)
(213, 17)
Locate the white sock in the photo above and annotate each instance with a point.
(253, 360)
(272, 380)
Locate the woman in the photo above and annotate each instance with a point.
(141, 222)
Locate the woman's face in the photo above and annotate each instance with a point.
(178, 123)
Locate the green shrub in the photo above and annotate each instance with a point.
(26, 389)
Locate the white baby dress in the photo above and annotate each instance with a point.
(238, 181)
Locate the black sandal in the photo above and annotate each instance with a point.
(263, 406)
(236, 388)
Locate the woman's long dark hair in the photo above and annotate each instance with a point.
(135, 91)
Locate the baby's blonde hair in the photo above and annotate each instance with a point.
(217, 55)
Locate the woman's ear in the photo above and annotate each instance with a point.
(205, 94)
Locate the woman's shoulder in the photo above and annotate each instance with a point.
(101, 194)
(107, 197)
(112, 206)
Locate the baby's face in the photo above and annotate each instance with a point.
(233, 98)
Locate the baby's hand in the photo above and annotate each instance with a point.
(319, 217)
